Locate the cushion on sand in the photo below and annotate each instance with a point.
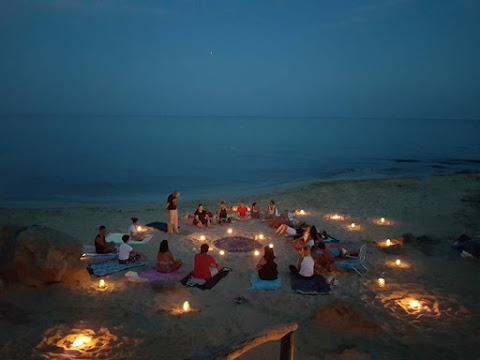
(258, 284)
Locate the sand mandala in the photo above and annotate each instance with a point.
(62, 342)
(416, 306)
(237, 244)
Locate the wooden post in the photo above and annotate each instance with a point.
(287, 347)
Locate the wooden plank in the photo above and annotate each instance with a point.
(239, 348)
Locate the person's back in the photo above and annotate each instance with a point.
(307, 266)
(201, 267)
(268, 271)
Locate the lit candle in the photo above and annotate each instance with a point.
(230, 231)
(335, 217)
(388, 242)
(382, 220)
(139, 228)
(256, 253)
(398, 262)
(381, 282)
(81, 340)
(302, 212)
(202, 238)
(186, 306)
(270, 246)
(352, 225)
(414, 304)
(101, 284)
(222, 252)
(260, 236)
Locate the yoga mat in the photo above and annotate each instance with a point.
(315, 286)
(89, 253)
(117, 238)
(258, 284)
(210, 283)
(110, 267)
(153, 275)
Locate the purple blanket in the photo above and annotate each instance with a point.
(153, 275)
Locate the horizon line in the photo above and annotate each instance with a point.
(238, 116)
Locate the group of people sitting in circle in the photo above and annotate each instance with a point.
(314, 254)
(224, 215)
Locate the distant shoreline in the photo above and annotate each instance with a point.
(272, 191)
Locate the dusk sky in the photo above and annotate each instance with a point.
(372, 58)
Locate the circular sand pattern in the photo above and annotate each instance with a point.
(237, 244)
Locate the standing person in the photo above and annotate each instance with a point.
(173, 212)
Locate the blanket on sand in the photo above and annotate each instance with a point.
(210, 283)
(110, 267)
(314, 286)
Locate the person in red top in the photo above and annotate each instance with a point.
(243, 212)
(205, 265)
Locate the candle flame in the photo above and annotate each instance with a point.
(101, 283)
(222, 252)
(186, 306)
(260, 236)
(335, 217)
(81, 340)
(414, 304)
(270, 246)
(382, 220)
(302, 212)
(230, 231)
(352, 225)
(202, 238)
(139, 228)
(388, 242)
(398, 262)
(381, 282)
(256, 253)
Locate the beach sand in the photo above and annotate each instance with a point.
(132, 321)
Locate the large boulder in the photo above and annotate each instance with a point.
(39, 255)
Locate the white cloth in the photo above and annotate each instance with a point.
(124, 251)
(291, 231)
(132, 230)
(310, 243)
(306, 267)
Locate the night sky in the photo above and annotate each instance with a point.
(373, 58)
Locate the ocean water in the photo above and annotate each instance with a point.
(61, 160)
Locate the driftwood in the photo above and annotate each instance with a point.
(284, 333)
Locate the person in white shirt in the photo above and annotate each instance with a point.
(305, 265)
(126, 255)
(135, 231)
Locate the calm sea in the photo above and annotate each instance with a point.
(51, 160)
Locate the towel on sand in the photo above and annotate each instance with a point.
(117, 238)
(110, 267)
(90, 252)
(158, 225)
(316, 285)
(153, 275)
(210, 283)
(258, 284)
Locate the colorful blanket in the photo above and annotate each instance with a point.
(117, 238)
(258, 284)
(316, 285)
(110, 267)
(209, 284)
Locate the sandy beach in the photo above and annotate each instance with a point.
(133, 321)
